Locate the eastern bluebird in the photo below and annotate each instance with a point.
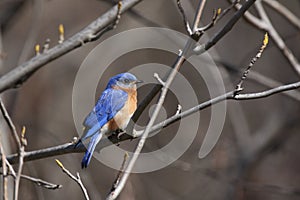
(112, 111)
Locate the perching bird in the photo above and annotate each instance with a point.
(112, 111)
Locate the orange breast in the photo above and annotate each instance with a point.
(121, 119)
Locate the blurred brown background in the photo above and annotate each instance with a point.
(44, 105)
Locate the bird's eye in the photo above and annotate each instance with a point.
(126, 80)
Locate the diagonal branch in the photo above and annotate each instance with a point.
(284, 12)
(185, 21)
(198, 15)
(226, 28)
(76, 178)
(69, 147)
(10, 124)
(20, 74)
(198, 50)
(4, 173)
(239, 86)
(265, 24)
(41, 182)
(261, 79)
(114, 194)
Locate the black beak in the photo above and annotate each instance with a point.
(139, 81)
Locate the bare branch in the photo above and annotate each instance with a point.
(284, 12)
(114, 194)
(20, 74)
(110, 27)
(159, 79)
(116, 182)
(262, 80)
(266, 93)
(265, 24)
(10, 169)
(253, 60)
(21, 162)
(212, 23)
(10, 124)
(4, 171)
(41, 182)
(226, 28)
(76, 178)
(69, 147)
(198, 15)
(185, 21)
(37, 181)
(198, 50)
(21, 143)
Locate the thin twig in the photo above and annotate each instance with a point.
(41, 182)
(156, 76)
(253, 60)
(20, 144)
(138, 16)
(117, 180)
(10, 124)
(265, 24)
(261, 79)
(226, 28)
(198, 50)
(112, 26)
(276, 37)
(185, 21)
(266, 93)
(284, 12)
(4, 171)
(76, 178)
(21, 73)
(21, 162)
(37, 181)
(10, 169)
(225, 11)
(47, 152)
(198, 15)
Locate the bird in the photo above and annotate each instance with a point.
(112, 112)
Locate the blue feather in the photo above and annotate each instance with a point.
(110, 102)
(91, 148)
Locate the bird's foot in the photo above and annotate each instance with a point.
(119, 133)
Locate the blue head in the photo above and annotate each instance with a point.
(124, 80)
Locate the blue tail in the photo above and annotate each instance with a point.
(89, 152)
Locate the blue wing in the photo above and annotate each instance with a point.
(89, 152)
(110, 102)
